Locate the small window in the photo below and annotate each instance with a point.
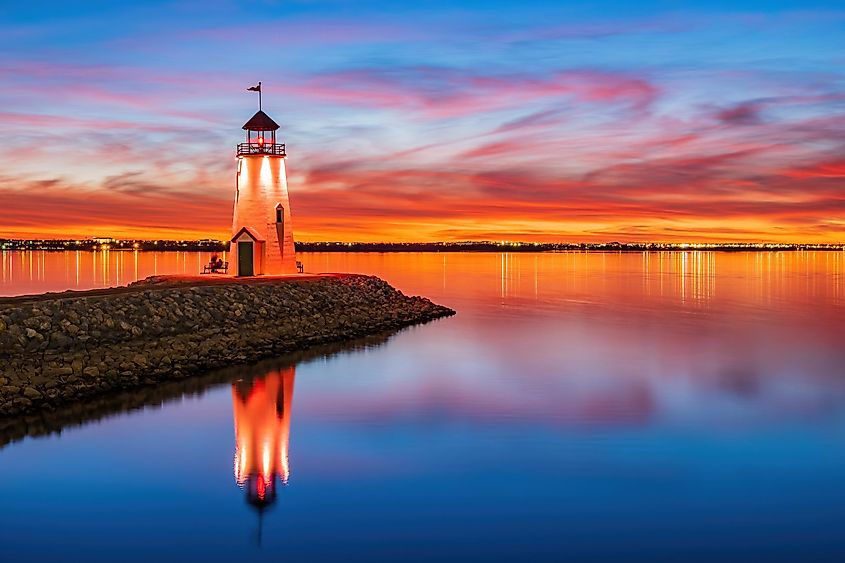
(280, 214)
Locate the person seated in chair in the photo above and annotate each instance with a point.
(215, 263)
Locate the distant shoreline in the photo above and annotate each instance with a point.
(207, 245)
(559, 247)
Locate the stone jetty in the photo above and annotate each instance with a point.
(57, 349)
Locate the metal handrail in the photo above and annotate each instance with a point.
(262, 148)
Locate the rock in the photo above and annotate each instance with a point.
(58, 371)
(21, 402)
(31, 393)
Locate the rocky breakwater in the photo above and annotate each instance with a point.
(57, 349)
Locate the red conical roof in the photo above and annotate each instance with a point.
(260, 122)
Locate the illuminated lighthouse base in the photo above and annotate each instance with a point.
(261, 228)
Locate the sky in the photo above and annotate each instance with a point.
(429, 121)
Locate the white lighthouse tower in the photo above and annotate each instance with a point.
(262, 234)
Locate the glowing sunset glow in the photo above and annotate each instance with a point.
(446, 121)
(262, 430)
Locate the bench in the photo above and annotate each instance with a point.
(299, 266)
(208, 269)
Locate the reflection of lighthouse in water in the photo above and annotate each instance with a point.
(262, 427)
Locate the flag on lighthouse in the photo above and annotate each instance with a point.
(256, 88)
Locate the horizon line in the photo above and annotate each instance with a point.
(439, 243)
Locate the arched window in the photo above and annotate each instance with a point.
(280, 214)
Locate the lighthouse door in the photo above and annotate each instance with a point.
(245, 260)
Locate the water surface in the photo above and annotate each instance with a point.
(584, 406)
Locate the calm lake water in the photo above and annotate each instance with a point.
(581, 406)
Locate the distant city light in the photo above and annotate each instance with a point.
(212, 245)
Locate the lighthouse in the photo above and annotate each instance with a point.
(262, 234)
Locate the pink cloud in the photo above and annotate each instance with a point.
(448, 93)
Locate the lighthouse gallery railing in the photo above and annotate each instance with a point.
(265, 148)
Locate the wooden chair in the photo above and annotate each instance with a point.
(208, 269)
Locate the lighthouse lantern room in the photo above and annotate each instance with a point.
(262, 234)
